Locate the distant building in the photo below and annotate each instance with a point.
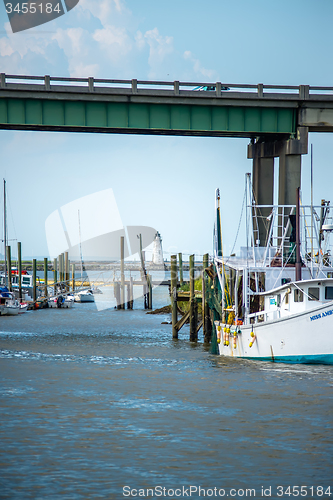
(157, 257)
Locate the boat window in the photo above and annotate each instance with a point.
(313, 293)
(278, 300)
(328, 292)
(298, 295)
(286, 298)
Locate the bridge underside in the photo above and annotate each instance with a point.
(146, 118)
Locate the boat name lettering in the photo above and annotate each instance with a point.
(321, 315)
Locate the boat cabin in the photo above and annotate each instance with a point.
(293, 298)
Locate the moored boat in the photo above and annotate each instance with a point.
(277, 301)
(10, 306)
(61, 302)
(84, 296)
(296, 326)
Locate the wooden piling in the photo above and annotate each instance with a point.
(206, 325)
(34, 279)
(45, 276)
(122, 272)
(66, 272)
(61, 272)
(128, 302)
(19, 268)
(150, 292)
(193, 305)
(9, 268)
(116, 291)
(55, 275)
(130, 294)
(143, 274)
(73, 278)
(174, 295)
(181, 276)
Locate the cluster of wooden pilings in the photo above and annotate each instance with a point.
(123, 287)
(66, 283)
(193, 297)
(209, 298)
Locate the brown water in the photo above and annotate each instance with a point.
(92, 401)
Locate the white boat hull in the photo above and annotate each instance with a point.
(306, 337)
(10, 310)
(65, 304)
(23, 308)
(83, 297)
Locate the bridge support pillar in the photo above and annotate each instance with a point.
(263, 187)
(289, 178)
(263, 153)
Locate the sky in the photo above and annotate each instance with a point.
(164, 182)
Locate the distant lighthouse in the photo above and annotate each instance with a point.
(157, 257)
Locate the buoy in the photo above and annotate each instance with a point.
(218, 334)
(253, 339)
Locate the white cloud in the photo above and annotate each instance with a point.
(103, 40)
(104, 10)
(5, 48)
(159, 48)
(140, 40)
(115, 42)
(197, 66)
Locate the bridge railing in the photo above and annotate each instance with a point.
(199, 89)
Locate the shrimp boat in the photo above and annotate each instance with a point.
(277, 300)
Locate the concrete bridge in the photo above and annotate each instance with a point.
(275, 118)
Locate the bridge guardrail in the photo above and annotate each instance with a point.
(218, 89)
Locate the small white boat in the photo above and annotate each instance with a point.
(61, 302)
(84, 296)
(9, 305)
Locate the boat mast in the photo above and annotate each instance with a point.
(78, 213)
(311, 210)
(218, 224)
(219, 248)
(298, 268)
(5, 228)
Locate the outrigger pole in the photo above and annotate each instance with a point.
(298, 266)
(5, 229)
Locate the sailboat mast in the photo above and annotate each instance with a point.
(78, 213)
(5, 228)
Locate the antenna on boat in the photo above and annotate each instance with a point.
(218, 225)
(311, 210)
(298, 268)
(5, 228)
